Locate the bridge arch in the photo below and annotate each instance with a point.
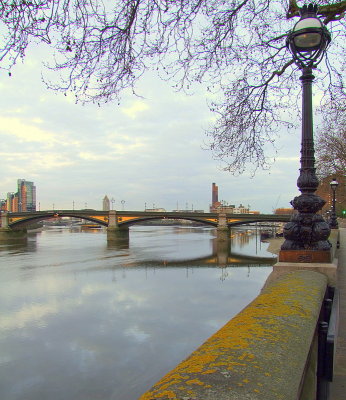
(138, 220)
(127, 218)
(25, 221)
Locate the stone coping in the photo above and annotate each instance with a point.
(327, 269)
(260, 354)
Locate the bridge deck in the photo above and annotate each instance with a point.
(105, 218)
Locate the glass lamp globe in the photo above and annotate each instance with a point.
(334, 184)
(308, 34)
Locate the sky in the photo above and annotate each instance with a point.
(147, 151)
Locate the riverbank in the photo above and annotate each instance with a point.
(275, 245)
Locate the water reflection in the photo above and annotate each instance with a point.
(84, 320)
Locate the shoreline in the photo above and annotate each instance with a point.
(274, 245)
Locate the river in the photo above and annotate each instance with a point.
(84, 320)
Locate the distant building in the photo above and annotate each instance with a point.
(214, 193)
(215, 204)
(3, 204)
(12, 202)
(188, 211)
(283, 211)
(223, 207)
(23, 200)
(26, 195)
(241, 210)
(105, 204)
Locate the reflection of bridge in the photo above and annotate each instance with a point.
(217, 259)
(118, 222)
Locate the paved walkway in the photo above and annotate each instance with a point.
(338, 386)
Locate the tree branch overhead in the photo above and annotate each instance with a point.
(235, 48)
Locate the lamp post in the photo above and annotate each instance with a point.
(333, 223)
(307, 233)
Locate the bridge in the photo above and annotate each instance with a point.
(20, 220)
(118, 222)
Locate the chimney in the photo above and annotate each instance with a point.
(214, 194)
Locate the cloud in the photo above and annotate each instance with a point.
(136, 108)
(25, 131)
(27, 315)
(146, 149)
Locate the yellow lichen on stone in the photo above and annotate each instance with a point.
(194, 382)
(208, 371)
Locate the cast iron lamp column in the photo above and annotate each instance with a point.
(333, 223)
(307, 233)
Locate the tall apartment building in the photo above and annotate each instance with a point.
(23, 200)
(12, 202)
(3, 205)
(26, 195)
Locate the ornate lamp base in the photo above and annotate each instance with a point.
(307, 233)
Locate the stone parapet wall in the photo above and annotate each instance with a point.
(261, 353)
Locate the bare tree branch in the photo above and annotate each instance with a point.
(331, 141)
(236, 48)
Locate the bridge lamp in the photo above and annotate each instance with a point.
(333, 223)
(307, 233)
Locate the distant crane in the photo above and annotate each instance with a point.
(276, 204)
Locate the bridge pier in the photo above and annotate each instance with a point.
(11, 234)
(223, 231)
(222, 240)
(7, 233)
(4, 219)
(118, 235)
(221, 249)
(112, 219)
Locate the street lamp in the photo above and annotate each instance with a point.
(333, 223)
(307, 233)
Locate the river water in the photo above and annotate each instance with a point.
(83, 320)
